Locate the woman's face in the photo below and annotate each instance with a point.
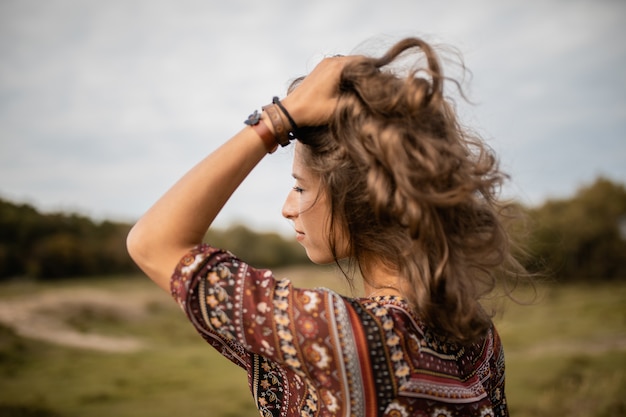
(308, 208)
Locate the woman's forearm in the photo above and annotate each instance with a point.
(180, 218)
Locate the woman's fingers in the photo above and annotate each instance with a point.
(314, 100)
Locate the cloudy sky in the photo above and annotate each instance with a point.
(104, 104)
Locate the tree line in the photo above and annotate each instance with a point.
(58, 245)
(578, 238)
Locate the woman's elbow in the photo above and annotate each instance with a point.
(156, 261)
(137, 247)
(133, 245)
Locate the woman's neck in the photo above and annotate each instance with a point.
(379, 280)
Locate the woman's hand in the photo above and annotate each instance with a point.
(313, 101)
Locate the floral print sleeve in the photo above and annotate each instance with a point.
(191, 274)
(250, 316)
(313, 352)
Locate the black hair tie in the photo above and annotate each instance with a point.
(293, 134)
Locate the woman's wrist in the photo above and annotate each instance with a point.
(293, 132)
(274, 125)
(277, 120)
(267, 136)
(290, 107)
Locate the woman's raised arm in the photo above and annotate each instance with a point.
(180, 218)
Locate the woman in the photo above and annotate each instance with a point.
(387, 179)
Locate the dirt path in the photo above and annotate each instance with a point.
(45, 317)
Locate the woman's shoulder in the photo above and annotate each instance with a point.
(388, 306)
(395, 313)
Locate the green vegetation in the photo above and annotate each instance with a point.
(566, 353)
(582, 238)
(116, 345)
(57, 245)
(263, 250)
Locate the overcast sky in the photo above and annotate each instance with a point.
(104, 104)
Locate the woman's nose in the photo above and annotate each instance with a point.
(289, 210)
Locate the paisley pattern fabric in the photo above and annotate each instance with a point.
(316, 353)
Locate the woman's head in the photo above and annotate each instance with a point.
(308, 207)
(407, 186)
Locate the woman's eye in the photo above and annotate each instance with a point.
(298, 189)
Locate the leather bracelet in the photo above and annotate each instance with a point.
(264, 132)
(282, 135)
(266, 136)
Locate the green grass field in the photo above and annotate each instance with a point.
(566, 353)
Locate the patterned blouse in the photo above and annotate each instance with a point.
(316, 353)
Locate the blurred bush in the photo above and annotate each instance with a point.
(263, 250)
(581, 238)
(52, 246)
(59, 245)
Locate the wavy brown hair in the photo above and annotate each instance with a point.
(414, 189)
